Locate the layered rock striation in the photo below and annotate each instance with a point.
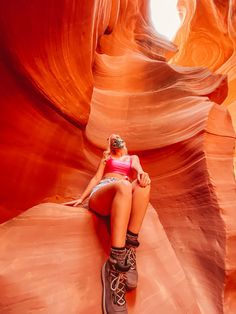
(71, 74)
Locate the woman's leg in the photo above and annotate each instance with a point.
(140, 200)
(115, 199)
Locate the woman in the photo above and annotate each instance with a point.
(112, 191)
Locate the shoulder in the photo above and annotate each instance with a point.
(134, 157)
(105, 157)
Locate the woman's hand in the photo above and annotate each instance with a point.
(74, 203)
(143, 179)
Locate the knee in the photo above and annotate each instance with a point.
(124, 186)
(148, 187)
(144, 190)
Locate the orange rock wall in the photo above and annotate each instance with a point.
(207, 38)
(74, 72)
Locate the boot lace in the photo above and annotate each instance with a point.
(118, 287)
(131, 257)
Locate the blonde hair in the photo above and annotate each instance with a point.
(108, 151)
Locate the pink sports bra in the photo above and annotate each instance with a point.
(118, 166)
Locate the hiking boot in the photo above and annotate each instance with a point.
(114, 288)
(132, 273)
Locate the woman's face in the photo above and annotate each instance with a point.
(116, 142)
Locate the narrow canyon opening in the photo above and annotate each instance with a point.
(165, 17)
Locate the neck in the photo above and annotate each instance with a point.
(118, 153)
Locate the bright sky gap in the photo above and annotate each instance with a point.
(165, 17)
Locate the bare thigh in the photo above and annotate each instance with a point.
(134, 184)
(101, 200)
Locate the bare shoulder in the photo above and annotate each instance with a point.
(134, 157)
(105, 157)
(134, 160)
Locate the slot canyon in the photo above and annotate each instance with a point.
(72, 73)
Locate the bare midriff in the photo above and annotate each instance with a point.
(115, 175)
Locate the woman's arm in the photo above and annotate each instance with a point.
(142, 176)
(94, 181)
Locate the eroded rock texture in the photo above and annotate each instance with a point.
(72, 72)
(207, 38)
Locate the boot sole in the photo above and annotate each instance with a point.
(104, 289)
